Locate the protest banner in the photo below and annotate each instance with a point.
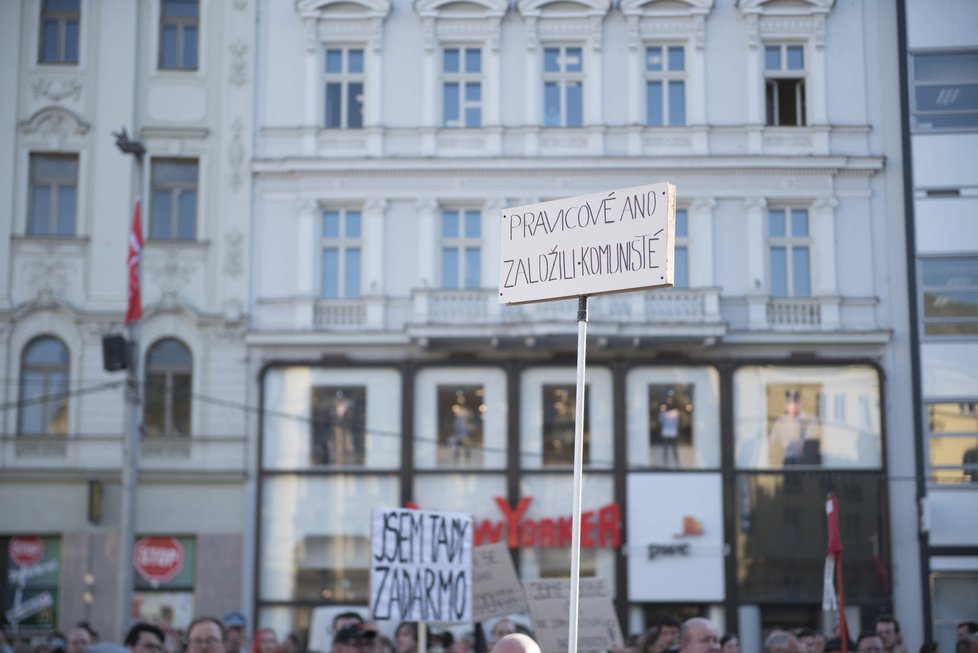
(496, 589)
(598, 628)
(421, 566)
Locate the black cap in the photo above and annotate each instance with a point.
(353, 631)
(792, 395)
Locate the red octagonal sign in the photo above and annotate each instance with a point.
(26, 549)
(158, 559)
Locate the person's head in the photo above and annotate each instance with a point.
(91, 631)
(792, 402)
(353, 637)
(234, 630)
(647, 643)
(966, 628)
(967, 644)
(516, 643)
(806, 639)
(869, 642)
(928, 647)
(819, 643)
(729, 643)
(290, 644)
(406, 637)
(206, 635)
(266, 641)
(500, 629)
(344, 619)
(383, 645)
(781, 641)
(145, 638)
(668, 632)
(78, 638)
(889, 630)
(698, 635)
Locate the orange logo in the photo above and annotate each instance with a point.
(692, 527)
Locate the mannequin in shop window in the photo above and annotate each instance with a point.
(795, 438)
(669, 428)
(463, 427)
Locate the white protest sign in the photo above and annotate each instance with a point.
(598, 628)
(496, 589)
(421, 566)
(588, 245)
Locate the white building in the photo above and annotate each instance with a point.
(178, 75)
(941, 51)
(389, 137)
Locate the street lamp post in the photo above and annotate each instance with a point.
(130, 438)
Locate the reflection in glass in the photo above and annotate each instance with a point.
(671, 425)
(44, 388)
(794, 437)
(559, 405)
(339, 414)
(461, 419)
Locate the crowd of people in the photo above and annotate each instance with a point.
(352, 634)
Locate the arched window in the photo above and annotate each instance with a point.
(169, 372)
(44, 388)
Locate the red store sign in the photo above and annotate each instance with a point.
(26, 549)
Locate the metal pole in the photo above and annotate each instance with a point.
(578, 480)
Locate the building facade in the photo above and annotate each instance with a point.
(719, 413)
(941, 121)
(177, 75)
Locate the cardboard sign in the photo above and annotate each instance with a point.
(496, 589)
(597, 623)
(421, 566)
(588, 245)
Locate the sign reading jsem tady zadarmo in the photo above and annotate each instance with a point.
(588, 245)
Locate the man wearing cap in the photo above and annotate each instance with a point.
(354, 637)
(236, 640)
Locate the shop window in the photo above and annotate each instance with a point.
(949, 293)
(784, 84)
(339, 423)
(945, 91)
(43, 402)
(952, 442)
(784, 417)
(563, 86)
(955, 595)
(344, 80)
(169, 384)
(164, 579)
(559, 410)
(59, 31)
(789, 253)
(461, 248)
(665, 85)
(29, 575)
(179, 26)
(53, 195)
(341, 248)
(174, 195)
(462, 87)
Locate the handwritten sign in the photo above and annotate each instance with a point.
(496, 589)
(421, 566)
(588, 245)
(597, 624)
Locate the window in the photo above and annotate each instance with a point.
(59, 31)
(169, 372)
(461, 248)
(955, 595)
(174, 194)
(53, 195)
(563, 84)
(950, 296)
(784, 72)
(945, 93)
(665, 85)
(44, 388)
(681, 272)
(789, 253)
(344, 88)
(462, 87)
(952, 429)
(30, 576)
(341, 251)
(179, 22)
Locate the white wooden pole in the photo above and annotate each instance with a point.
(578, 473)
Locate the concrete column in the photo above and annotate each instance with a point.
(427, 209)
(756, 256)
(373, 246)
(701, 243)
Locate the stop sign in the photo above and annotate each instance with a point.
(158, 559)
(26, 549)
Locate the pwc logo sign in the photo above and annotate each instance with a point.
(692, 527)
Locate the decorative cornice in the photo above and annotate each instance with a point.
(665, 7)
(56, 121)
(584, 8)
(56, 89)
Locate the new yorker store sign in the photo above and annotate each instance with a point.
(599, 528)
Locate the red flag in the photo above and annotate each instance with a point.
(134, 312)
(832, 515)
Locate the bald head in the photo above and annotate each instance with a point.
(516, 643)
(698, 635)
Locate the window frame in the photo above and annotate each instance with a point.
(50, 403)
(461, 244)
(54, 185)
(922, 303)
(175, 190)
(462, 78)
(790, 243)
(773, 79)
(63, 19)
(666, 77)
(916, 114)
(344, 244)
(966, 469)
(169, 373)
(564, 79)
(181, 24)
(344, 78)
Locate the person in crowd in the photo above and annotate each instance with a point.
(234, 629)
(383, 644)
(834, 644)
(869, 642)
(406, 637)
(648, 641)
(78, 640)
(819, 643)
(206, 635)
(291, 644)
(966, 628)
(265, 641)
(698, 635)
(729, 643)
(516, 643)
(499, 630)
(806, 639)
(967, 644)
(781, 641)
(145, 638)
(888, 629)
(91, 631)
(354, 637)
(668, 634)
(173, 642)
(928, 647)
